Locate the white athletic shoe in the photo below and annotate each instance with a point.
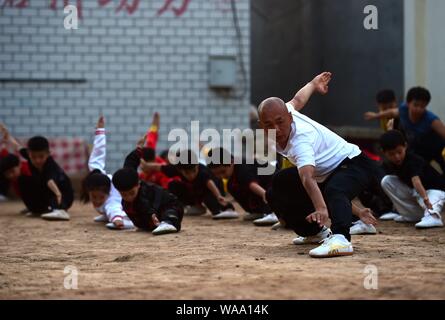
(127, 225)
(101, 218)
(430, 221)
(164, 228)
(228, 214)
(277, 226)
(3, 198)
(252, 216)
(267, 220)
(401, 218)
(56, 215)
(360, 227)
(323, 234)
(334, 246)
(195, 210)
(389, 216)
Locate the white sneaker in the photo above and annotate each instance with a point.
(430, 221)
(228, 214)
(323, 234)
(334, 246)
(252, 216)
(389, 216)
(127, 225)
(360, 227)
(267, 220)
(164, 228)
(56, 215)
(401, 218)
(277, 226)
(195, 210)
(101, 218)
(3, 198)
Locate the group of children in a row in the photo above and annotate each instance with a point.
(152, 194)
(148, 192)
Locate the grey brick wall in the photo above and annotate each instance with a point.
(134, 64)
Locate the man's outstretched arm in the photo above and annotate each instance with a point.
(319, 84)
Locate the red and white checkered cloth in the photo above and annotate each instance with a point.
(71, 154)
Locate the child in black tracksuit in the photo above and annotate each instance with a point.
(148, 206)
(46, 190)
(245, 185)
(194, 184)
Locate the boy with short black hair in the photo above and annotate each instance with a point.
(386, 100)
(47, 191)
(415, 188)
(148, 206)
(244, 184)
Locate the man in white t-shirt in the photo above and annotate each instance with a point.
(329, 173)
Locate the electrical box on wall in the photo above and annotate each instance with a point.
(222, 71)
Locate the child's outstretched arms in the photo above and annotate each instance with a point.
(98, 154)
(390, 113)
(319, 84)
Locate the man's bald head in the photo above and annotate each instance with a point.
(274, 115)
(272, 105)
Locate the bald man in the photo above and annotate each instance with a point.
(329, 173)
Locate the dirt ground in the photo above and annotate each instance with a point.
(208, 260)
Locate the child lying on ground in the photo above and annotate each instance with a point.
(148, 206)
(98, 188)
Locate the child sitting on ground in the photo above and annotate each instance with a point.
(148, 206)
(98, 188)
(415, 188)
(244, 184)
(47, 191)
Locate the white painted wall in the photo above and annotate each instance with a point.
(425, 49)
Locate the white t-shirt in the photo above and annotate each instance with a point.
(310, 143)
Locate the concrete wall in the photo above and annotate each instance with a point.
(134, 62)
(293, 40)
(425, 49)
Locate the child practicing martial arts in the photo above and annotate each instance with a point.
(195, 185)
(329, 173)
(386, 100)
(98, 187)
(416, 189)
(148, 206)
(47, 191)
(244, 184)
(145, 154)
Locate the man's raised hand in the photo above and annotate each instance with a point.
(321, 82)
